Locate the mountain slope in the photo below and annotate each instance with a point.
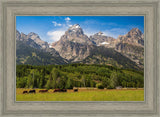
(108, 56)
(28, 55)
(36, 39)
(131, 45)
(30, 49)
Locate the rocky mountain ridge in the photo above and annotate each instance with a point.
(32, 39)
(30, 49)
(102, 40)
(75, 46)
(132, 46)
(133, 37)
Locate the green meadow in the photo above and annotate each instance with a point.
(84, 95)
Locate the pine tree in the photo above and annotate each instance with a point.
(113, 80)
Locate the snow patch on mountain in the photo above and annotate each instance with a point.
(76, 26)
(104, 43)
(50, 45)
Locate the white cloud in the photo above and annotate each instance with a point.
(68, 23)
(56, 35)
(67, 19)
(88, 31)
(56, 24)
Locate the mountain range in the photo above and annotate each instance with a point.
(127, 51)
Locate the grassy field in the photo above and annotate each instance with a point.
(83, 95)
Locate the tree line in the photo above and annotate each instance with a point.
(77, 75)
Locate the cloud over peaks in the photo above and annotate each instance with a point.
(55, 35)
(56, 24)
(67, 19)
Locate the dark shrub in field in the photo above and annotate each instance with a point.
(109, 87)
(100, 86)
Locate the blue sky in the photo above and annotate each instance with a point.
(51, 28)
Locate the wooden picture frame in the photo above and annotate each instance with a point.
(9, 9)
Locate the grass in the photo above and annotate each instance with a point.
(83, 95)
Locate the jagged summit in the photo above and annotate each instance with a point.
(32, 39)
(74, 44)
(102, 40)
(134, 32)
(75, 26)
(75, 30)
(100, 34)
(134, 37)
(74, 34)
(32, 33)
(132, 46)
(34, 36)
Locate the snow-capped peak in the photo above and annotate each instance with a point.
(75, 26)
(75, 30)
(101, 34)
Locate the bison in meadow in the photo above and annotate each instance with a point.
(24, 92)
(32, 91)
(64, 90)
(43, 91)
(75, 90)
(60, 90)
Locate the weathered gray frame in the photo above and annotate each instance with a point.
(9, 9)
